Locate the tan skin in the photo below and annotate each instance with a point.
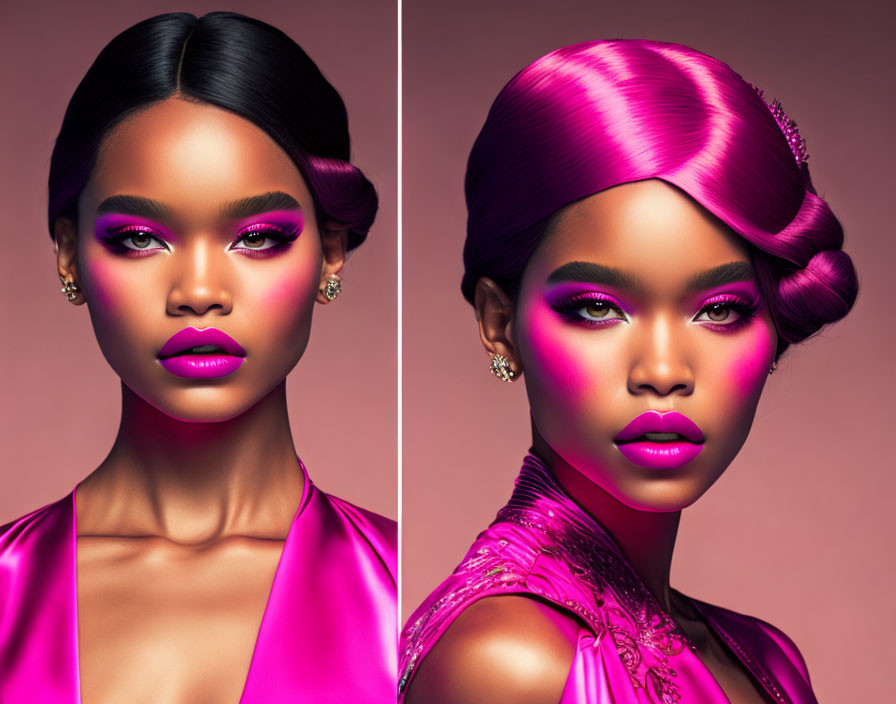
(591, 367)
(181, 527)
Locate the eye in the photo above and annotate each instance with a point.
(263, 238)
(136, 240)
(140, 240)
(725, 313)
(600, 310)
(590, 309)
(255, 240)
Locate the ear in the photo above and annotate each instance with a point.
(65, 233)
(494, 311)
(334, 243)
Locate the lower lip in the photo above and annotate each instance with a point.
(659, 455)
(202, 366)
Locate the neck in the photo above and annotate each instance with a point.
(195, 482)
(646, 538)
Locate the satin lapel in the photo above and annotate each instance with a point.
(329, 630)
(38, 618)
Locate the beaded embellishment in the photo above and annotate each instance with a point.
(542, 543)
(796, 143)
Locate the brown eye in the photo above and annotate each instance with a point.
(141, 241)
(597, 309)
(254, 240)
(718, 312)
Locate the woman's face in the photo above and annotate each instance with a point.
(639, 300)
(194, 219)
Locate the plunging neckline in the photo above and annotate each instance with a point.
(303, 502)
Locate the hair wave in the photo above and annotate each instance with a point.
(598, 114)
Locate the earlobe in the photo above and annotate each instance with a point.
(494, 312)
(334, 243)
(65, 246)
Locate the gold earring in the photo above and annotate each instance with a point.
(70, 289)
(500, 367)
(333, 287)
(774, 366)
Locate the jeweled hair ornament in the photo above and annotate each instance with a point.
(788, 127)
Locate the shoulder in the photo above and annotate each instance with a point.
(365, 520)
(759, 636)
(379, 532)
(27, 528)
(508, 648)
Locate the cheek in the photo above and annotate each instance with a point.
(747, 369)
(286, 296)
(107, 285)
(561, 361)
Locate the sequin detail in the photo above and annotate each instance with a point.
(543, 544)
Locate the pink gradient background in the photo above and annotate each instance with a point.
(798, 531)
(61, 404)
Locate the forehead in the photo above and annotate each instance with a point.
(192, 157)
(649, 228)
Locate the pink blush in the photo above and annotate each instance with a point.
(109, 283)
(560, 361)
(749, 369)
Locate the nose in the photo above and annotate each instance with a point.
(199, 285)
(660, 364)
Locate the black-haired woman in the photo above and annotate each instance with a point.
(201, 202)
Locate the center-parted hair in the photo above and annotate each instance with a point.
(599, 114)
(230, 61)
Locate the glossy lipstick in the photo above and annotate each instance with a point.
(201, 354)
(660, 440)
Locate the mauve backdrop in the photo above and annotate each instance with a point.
(60, 407)
(798, 531)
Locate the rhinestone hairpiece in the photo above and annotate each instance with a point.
(788, 127)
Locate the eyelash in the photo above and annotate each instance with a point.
(745, 312)
(282, 239)
(569, 308)
(117, 237)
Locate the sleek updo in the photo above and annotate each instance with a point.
(599, 114)
(236, 63)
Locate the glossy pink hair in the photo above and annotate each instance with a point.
(594, 115)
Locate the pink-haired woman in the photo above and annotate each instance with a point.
(644, 242)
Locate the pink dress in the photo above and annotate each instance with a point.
(629, 650)
(333, 597)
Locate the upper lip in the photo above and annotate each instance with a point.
(193, 337)
(661, 422)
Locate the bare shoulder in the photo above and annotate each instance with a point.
(501, 649)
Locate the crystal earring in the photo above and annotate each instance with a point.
(773, 367)
(500, 367)
(70, 289)
(333, 287)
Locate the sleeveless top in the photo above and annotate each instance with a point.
(544, 545)
(333, 596)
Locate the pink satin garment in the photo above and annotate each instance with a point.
(328, 633)
(542, 544)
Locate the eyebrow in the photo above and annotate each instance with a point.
(610, 276)
(243, 208)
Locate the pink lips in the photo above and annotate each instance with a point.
(654, 453)
(219, 354)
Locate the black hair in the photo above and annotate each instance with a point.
(231, 61)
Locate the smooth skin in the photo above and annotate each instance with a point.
(667, 329)
(181, 527)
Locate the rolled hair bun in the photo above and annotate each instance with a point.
(230, 61)
(594, 115)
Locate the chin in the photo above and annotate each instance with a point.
(656, 494)
(208, 405)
